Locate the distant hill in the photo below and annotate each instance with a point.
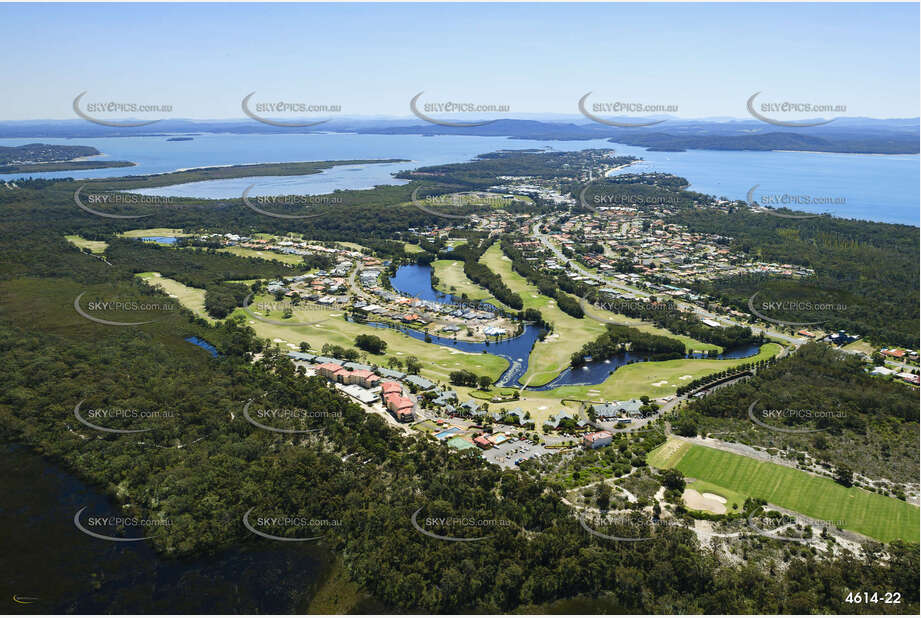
(844, 135)
(43, 153)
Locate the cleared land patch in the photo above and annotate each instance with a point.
(94, 246)
(154, 231)
(874, 515)
(452, 280)
(189, 297)
(438, 360)
(287, 258)
(657, 378)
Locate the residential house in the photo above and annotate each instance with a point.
(597, 439)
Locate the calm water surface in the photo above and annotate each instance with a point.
(872, 187)
(415, 280)
(47, 559)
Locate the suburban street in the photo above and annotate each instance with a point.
(545, 240)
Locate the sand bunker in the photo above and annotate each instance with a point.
(704, 502)
(660, 383)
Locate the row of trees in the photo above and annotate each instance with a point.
(618, 339)
(547, 284)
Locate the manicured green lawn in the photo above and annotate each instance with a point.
(732, 497)
(438, 360)
(189, 297)
(452, 280)
(153, 231)
(550, 357)
(874, 515)
(94, 246)
(656, 379)
(287, 258)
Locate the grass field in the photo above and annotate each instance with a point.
(438, 361)
(189, 297)
(551, 356)
(351, 246)
(94, 246)
(656, 379)
(153, 231)
(452, 280)
(265, 255)
(861, 345)
(874, 515)
(735, 501)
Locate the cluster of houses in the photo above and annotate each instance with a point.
(409, 310)
(900, 354)
(545, 190)
(617, 411)
(905, 376)
(662, 249)
(369, 384)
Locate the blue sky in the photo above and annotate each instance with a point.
(535, 58)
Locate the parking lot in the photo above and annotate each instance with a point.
(507, 453)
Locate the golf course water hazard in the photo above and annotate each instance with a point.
(415, 280)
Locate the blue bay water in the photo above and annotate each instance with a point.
(869, 187)
(872, 187)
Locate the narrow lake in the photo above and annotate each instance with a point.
(415, 280)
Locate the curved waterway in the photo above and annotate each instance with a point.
(415, 280)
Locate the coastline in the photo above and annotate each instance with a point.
(859, 154)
